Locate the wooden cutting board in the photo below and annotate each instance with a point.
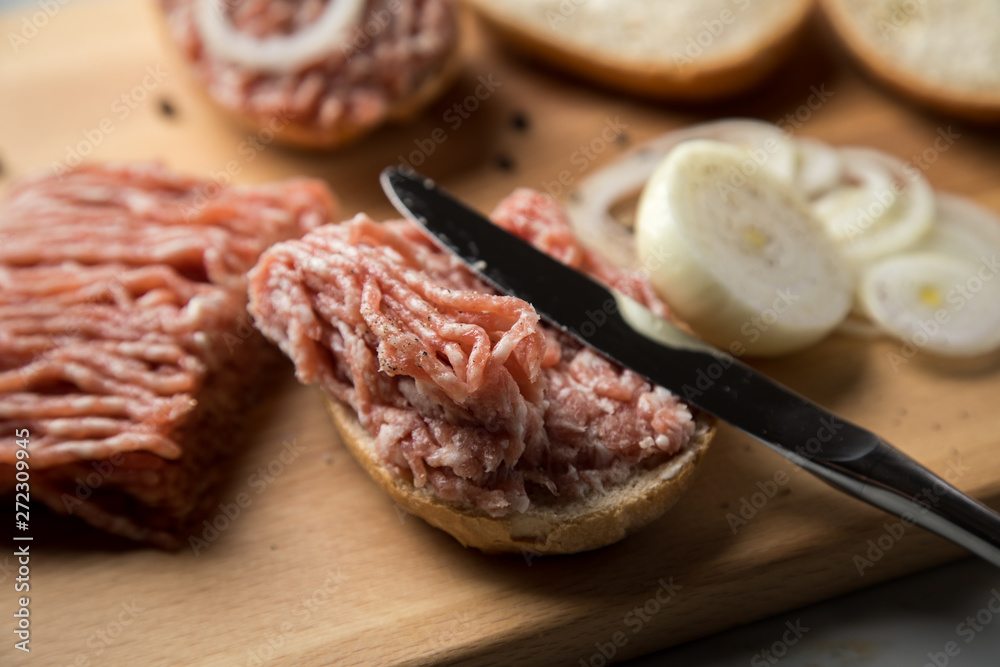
(321, 568)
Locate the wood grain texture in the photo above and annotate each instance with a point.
(320, 567)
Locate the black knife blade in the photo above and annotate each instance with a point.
(840, 452)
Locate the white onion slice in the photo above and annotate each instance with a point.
(590, 203)
(936, 302)
(747, 267)
(883, 208)
(278, 53)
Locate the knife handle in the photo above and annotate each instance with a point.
(889, 479)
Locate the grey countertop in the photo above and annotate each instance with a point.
(946, 616)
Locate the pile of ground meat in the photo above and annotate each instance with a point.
(398, 45)
(464, 390)
(125, 348)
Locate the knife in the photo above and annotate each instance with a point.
(841, 453)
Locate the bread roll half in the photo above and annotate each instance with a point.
(662, 49)
(943, 54)
(556, 528)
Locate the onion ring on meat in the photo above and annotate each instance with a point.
(285, 53)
